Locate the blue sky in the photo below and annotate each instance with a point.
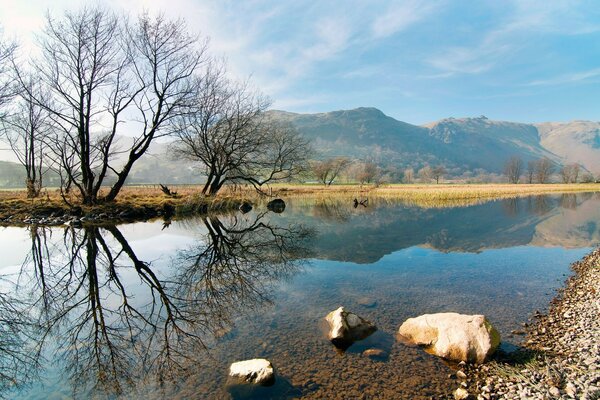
(417, 61)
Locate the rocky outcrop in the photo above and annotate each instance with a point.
(457, 337)
(346, 327)
(258, 371)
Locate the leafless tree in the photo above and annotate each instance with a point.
(327, 171)
(531, 166)
(409, 175)
(104, 75)
(364, 172)
(543, 169)
(437, 172)
(425, 173)
(587, 177)
(26, 131)
(570, 173)
(7, 89)
(512, 169)
(227, 133)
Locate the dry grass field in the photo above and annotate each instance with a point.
(189, 199)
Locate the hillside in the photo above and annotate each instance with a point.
(462, 144)
(576, 141)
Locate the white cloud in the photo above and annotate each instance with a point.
(527, 19)
(399, 16)
(583, 76)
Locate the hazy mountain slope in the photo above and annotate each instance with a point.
(362, 132)
(481, 141)
(466, 143)
(576, 141)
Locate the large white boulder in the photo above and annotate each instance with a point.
(346, 327)
(256, 371)
(458, 337)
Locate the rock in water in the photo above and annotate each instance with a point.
(277, 206)
(458, 337)
(257, 371)
(345, 328)
(245, 207)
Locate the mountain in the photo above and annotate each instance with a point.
(460, 144)
(576, 141)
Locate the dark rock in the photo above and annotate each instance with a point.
(247, 207)
(277, 206)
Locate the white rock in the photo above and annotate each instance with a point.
(346, 327)
(256, 371)
(461, 394)
(453, 336)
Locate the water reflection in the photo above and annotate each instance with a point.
(366, 235)
(232, 269)
(155, 310)
(112, 317)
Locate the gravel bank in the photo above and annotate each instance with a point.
(560, 354)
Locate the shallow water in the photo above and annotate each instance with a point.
(159, 310)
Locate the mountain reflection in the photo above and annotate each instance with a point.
(113, 319)
(365, 236)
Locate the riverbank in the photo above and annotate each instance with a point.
(560, 357)
(143, 203)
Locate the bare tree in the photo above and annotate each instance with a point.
(327, 171)
(437, 172)
(512, 169)
(570, 173)
(543, 169)
(364, 172)
(531, 165)
(425, 173)
(26, 130)
(7, 89)
(227, 133)
(409, 175)
(104, 75)
(587, 177)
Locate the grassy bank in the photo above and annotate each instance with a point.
(145, 202)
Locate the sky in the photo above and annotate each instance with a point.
(417, 61)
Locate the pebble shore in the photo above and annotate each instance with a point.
(560, 354)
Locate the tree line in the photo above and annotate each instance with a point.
(104, 88)
(541, 170)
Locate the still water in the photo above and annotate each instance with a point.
(160, 309)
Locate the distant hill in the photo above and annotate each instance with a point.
(465, 144)
(576, 141)
(460, 144)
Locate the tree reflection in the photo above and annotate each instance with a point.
(115, 318)
(19, 347)
(232, 267)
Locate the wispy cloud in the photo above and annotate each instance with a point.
(526, 19)
(399, 16)
(577, 77)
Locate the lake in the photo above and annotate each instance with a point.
(160, 309)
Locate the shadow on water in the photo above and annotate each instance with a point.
(113, 319)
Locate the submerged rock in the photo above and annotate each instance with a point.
(346, 327)
(457, 337)
(258, 371)
(375, 353)
(277, 206)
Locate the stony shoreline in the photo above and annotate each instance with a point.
(560, 354)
